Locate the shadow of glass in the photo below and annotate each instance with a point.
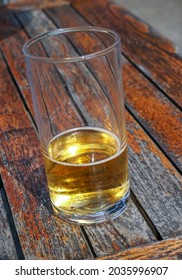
(36, 184)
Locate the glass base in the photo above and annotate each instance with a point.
(89, 219)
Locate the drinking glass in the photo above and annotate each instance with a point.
(76, 85)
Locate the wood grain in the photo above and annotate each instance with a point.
(7, 246)
(164, 250)
(124, 232)
(155, 182)
(157, 57)
(157, 115)
(29, 5)
(11, 34)
(42, 236)
(160, 118)
(156, 185)
(27, 178)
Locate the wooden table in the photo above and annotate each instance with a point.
(151, 228)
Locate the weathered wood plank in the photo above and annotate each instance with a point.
(160, 118)
(29, 5)
(156, 184)
(155, 181)
(159, 160)
(157, 57)
(7, 246)
(164, 250)
(11, 34)
(124, 232)
(154, 111)
(42, 236)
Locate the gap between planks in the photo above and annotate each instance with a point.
(28, 112)
(11, 222)
(153, 138)
(146, 217)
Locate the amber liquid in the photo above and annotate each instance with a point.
(87, 171)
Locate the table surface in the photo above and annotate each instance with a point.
(151, 228)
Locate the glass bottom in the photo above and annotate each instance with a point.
(111, 213)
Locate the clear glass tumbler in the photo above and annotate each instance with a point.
(76, 85)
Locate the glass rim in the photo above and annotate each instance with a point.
(78, 58)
